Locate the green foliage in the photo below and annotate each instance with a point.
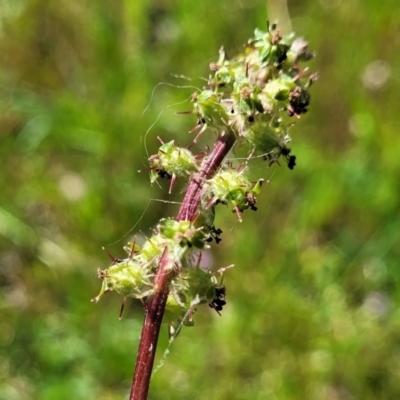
(312, 305)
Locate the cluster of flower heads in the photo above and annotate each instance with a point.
(133, 276)
(255, 97)
(256, 93)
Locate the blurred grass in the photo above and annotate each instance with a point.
(313, 300)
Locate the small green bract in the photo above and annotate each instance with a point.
(127, 278)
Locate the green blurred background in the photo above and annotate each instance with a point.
(313, 299)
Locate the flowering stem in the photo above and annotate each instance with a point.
(155, 306)
(248, 99)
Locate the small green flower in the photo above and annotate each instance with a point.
(246, 97)
(232, 186)
(183, 233)
(210, 111)
(170, 162)
(192, 287)
(272, 47)
(153, 247)
(277, 90)
(127, 278)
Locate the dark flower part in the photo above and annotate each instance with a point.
(299, 100)
(162, 173)
(218, 301)
(215, 234)
(101, 273)
(185, 243)
(291, 160)
(285, 153)
(282, 57)
(279, 49)
(251, 201)
(271, 27)
(218, 201)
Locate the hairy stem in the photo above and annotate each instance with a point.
(156, 304)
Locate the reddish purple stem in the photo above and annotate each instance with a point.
(156, 304)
